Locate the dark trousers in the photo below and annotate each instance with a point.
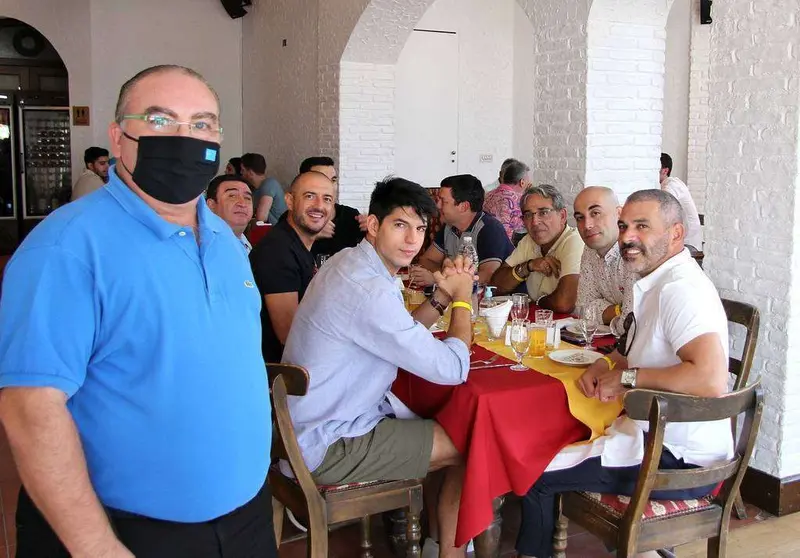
(539, 504)
(246, 532)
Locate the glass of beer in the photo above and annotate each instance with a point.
(538, 339)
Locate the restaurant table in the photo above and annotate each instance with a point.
(507, 425)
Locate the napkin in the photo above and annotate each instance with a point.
(497, 316)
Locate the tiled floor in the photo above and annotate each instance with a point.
(344, 542)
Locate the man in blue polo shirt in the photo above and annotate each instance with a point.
(134, 393)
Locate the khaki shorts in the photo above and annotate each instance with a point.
(394, 450)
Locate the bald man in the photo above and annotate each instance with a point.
(283, 263)
(605, 285)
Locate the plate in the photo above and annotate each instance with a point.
(574, 357)
(501, 299)
(602, 331)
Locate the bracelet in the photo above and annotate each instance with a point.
(611, 363)
(461, 304)
(438, 306)
(514, 274)
(617, 310)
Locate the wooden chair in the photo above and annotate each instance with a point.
(745, 315)
(638, 524)
(321, 506)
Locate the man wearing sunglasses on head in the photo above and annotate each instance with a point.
(676, 339)
(133, 435)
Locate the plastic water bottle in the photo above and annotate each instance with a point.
(470, 253)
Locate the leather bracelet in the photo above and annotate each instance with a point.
(438, 306)
(617, 310)
(611, 363)
(462, 304)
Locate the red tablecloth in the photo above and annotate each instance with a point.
(508, 426)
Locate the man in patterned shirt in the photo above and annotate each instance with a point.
(503, 201)
(605, 286)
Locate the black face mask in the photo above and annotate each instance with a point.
(174, 169)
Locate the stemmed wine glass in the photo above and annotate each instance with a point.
(587, 328)
(520, 342)
(520, 306)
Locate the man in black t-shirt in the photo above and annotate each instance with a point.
(345, 229)
(282, 262)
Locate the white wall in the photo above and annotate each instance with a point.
(280, 90)
(524, 71)
(698, 108)
(675, 139)
(130, 36)
(486, 78)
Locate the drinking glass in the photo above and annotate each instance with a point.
(538, 335)
(521, 306)
(520, 342)
(587, 328)
(544, 317)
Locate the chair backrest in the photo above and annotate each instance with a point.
(661, 408)
(747, 316)
(288, 379)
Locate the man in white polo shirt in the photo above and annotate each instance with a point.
(676, 340)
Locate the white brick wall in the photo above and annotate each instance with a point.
(366, 129)
(625, 93)
(752, 214)
(698, 108)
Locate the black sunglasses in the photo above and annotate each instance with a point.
(622, 345)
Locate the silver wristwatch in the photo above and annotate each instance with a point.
(629, 377)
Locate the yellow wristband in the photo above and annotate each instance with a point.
(461, 304)
(617, 310)
(611, 363)
(514, 274)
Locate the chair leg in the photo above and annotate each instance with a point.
(560, 535)
(487, 544)
(366, 537)
(738, 504)
(278, 510)
(317, 543)
(413, 535)
(717, 546)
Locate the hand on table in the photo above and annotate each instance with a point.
(419, 277)
(600, 382)
(547, 266)
(456, 278)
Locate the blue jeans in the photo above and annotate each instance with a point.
(539, 504)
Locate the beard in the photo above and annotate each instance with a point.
(306, 225)
(650, 256)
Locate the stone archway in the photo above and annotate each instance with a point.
(626, 43)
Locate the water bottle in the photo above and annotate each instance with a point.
(470, 253)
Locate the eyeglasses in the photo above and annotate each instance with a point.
(622, 345)
(540, 213)
(160, 124)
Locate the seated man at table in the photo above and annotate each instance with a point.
(676, 340)
(283, 265)
(676, 187)
(503, 201)
(548, 259)
(352, 332)
(344, 228)
(230, 197)
(460, 205)
(606, 285)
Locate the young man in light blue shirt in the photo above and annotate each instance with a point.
(352, 332)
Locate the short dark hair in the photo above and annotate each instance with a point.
(216, 182)
(255, 162)
(669, 206)
(466, 188)
(393, 192)
(236, 163)
(92, 154)
(666, 163)
(310, 162)
(125, 90)
(514, 172)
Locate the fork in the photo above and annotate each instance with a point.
(484, 362)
